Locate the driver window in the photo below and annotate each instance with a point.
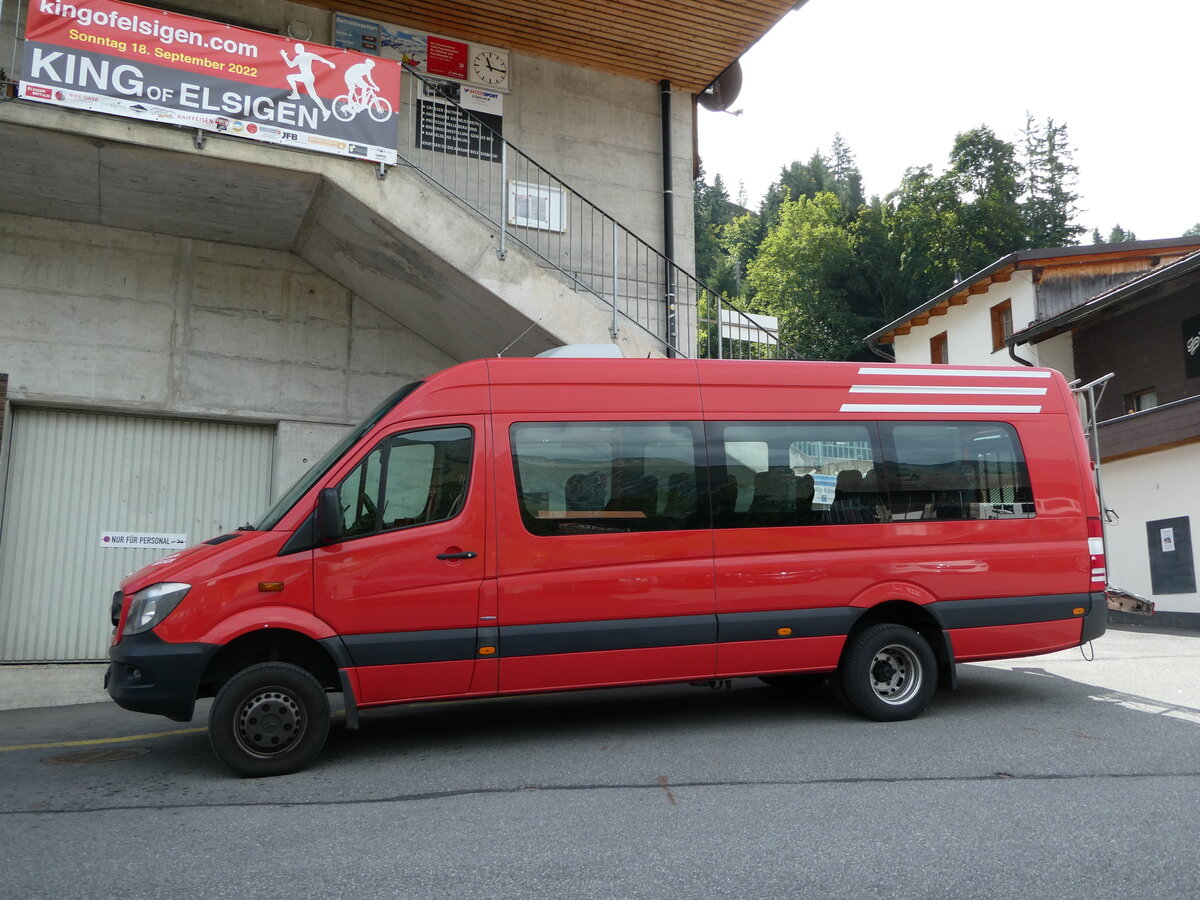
(358, 495)
(410, 479)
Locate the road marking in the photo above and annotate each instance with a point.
(92, 742)
(52, 745)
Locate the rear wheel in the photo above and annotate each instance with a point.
(888, 673)
(269, 719)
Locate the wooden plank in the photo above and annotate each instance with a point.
(689, 43)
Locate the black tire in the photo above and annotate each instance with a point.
(269, 719)
(798, 681)
(888, 673)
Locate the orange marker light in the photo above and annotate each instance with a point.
(486, 651)
(270, 586)
(784, 631)
(1079, 611)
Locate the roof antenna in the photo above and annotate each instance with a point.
(517, 338)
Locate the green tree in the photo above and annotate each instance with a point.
(1194, 231)
(1119, 235)
(875, 290)
(739, 241)
(923, 220)
(1050, 176)
(847, 180)
(711, 211)
(987, 178)
(801, 274)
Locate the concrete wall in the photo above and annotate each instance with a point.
(1145, 489)
(104, 318)
(603, 136)
(599, 133)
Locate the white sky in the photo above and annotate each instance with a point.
(900, 78)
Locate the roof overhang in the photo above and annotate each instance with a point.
(688, 43)
(1183, 274)
(1003, 269)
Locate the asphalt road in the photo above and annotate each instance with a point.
(1045, 777)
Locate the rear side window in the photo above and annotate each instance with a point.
(409, 479)
(963, 470)
(605, 477)
(795, 473)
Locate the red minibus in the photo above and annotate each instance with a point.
(519, 525)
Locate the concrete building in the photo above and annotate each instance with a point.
(1132, 310)
(191, 316)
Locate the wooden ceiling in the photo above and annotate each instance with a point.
(689, 42)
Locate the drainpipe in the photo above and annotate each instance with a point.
(874, 347)
(664, 88)
(1012, 351)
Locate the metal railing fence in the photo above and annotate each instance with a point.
(462, 153)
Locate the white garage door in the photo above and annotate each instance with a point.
(73, 477)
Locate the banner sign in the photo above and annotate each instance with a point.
(432, 54)
(126, 60)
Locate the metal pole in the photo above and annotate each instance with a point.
(615, 330)
(720, 347)
(664, 88)
(502, 250)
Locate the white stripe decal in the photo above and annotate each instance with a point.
(936, 407)
(945, 389)
(939, 372)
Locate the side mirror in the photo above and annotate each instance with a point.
(329, 517)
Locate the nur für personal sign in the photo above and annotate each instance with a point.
(146, 64)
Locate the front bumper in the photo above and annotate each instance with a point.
(150, 675)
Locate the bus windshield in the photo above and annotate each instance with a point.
(322, 465)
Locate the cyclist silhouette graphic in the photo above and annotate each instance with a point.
(303, 63)
(361, 93)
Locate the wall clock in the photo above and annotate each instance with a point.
(490, 67)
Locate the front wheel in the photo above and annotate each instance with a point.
(379, 109)
(269, 719)
(888, 673)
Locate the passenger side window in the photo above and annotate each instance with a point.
(606, 477)
(795, 473)
(410, 479)
(957, 471)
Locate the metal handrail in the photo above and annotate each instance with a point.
(460, 152)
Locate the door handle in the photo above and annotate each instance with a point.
(465, 554)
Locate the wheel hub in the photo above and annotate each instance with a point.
(895, 674)
(269, 722)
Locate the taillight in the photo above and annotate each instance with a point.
(1099, 580)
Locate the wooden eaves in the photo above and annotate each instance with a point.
(688, 42)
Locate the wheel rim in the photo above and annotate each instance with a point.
(269, 723)
(895, 674)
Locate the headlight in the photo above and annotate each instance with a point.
(153, 604)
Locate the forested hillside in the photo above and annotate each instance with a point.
(834, 265)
